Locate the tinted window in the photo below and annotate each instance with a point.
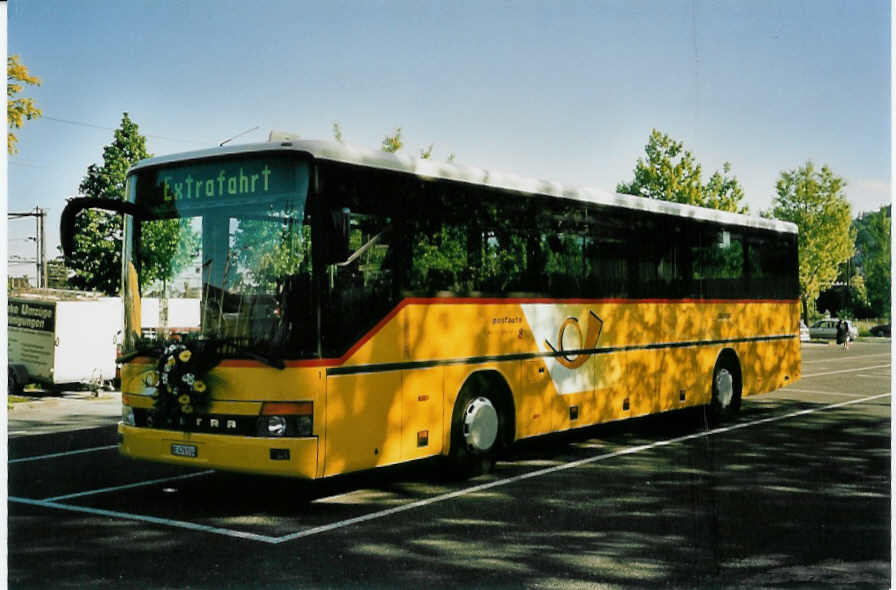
(359, 291)
(717, 263)
(771, 265)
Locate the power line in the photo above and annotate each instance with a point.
(28, 165)
(91, 125)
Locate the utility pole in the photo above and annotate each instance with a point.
(43, 249)
(40, 241)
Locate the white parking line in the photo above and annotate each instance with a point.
(845, 358)
(440, 498)
(818, 392)
(150, 519)
(127, 486)
(853, 370)
(66, 454)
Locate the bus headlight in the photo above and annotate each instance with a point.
(127, 416)
(275, 425)
(286, 419)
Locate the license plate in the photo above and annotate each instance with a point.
(184, 450)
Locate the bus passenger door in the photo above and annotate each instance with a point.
(363, 421)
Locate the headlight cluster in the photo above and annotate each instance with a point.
(276, 426)
(286, 419)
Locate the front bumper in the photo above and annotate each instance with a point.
(224, 452)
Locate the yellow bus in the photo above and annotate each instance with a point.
(361, 309)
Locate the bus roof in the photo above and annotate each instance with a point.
(434, 170)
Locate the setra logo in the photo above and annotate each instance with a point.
(573, 345)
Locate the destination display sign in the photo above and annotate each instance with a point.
(209, 182)
(31, 315)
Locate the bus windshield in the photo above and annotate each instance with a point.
(224, 255)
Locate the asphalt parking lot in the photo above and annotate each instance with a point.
(794, 493)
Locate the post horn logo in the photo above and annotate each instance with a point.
(575, 357)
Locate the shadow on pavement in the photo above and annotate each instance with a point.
(754, 507)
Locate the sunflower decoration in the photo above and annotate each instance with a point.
(180, 380)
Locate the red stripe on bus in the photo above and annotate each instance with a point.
(494, 300)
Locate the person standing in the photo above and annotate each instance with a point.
(843, 334)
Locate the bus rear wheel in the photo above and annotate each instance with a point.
(475, 434)
(726, 389)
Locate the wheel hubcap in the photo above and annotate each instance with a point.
(724, 387)
(480, 424)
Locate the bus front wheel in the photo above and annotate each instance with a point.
(726, 389)
(475, 435)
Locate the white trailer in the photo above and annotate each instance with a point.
(168, 315)
(61, 337)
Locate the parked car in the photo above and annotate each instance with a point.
(804, 332)
(828, 329)
(881, 330)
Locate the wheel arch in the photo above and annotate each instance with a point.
(492, 382)
(726, 359)
(729, 356)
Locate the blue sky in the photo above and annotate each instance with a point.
(567, 91)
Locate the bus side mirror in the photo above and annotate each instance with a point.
(75, 206)
(337, 235)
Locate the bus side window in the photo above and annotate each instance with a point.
(360, 289)
(611, 272)
(439, 261)
(769, 266)
(502, 255)
(718, 260)
(665, 257)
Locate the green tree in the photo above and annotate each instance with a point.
(877, 258)
(22, 108)
(167, 244)
(724, 192)
(671, 173)
(858, 294)
(816, 202)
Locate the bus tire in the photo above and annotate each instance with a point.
(479, 429)
(726, 388)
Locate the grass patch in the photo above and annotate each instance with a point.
(16, 399)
